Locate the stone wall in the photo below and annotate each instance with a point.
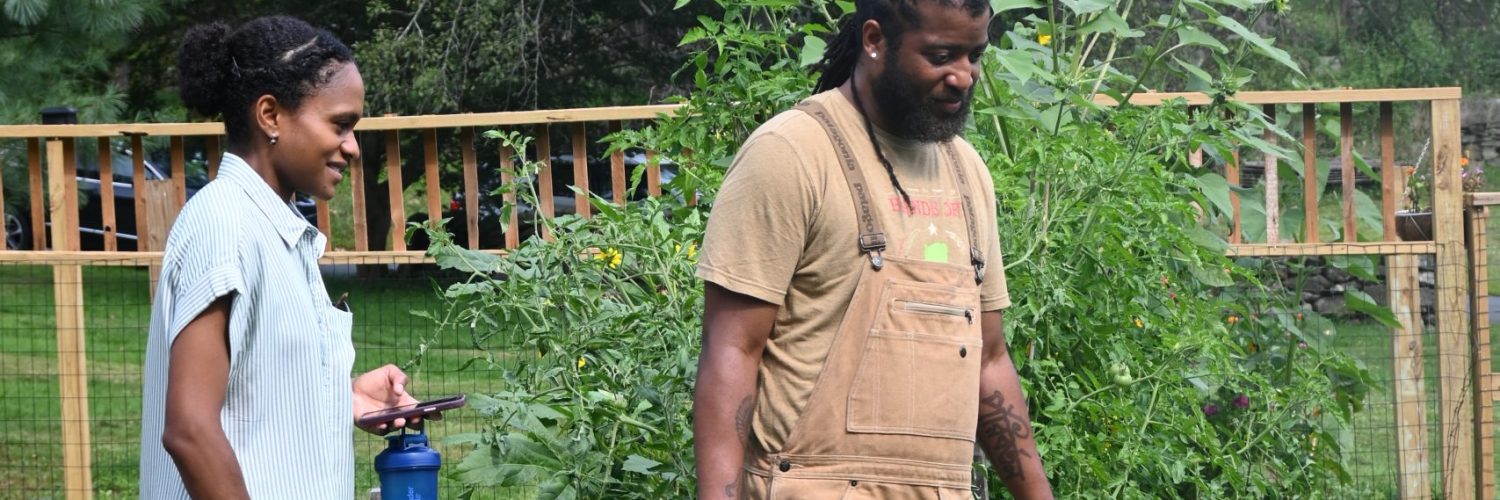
(1323, 288)
(1481, 129)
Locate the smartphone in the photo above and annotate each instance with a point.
(413, 410)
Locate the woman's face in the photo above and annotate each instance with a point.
(316, 143)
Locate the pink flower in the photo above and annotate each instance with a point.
(1242, 402)
(1210, 410)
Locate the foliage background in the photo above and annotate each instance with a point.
(1155, 366)
(1130, 324)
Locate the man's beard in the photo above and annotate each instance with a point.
(911, 114)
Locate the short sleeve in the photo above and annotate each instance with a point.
(204, 267)
(759, 223)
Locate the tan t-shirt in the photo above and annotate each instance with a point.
(783, 230)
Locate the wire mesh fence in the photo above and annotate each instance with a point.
(116, 310)
(1378, 311)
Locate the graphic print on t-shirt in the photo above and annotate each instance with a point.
(931, 228)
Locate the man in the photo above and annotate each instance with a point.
(853, 345)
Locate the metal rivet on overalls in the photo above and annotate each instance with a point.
(785, 466)
(963, 352)
(853, 483)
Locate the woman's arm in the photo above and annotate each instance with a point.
(196, 383)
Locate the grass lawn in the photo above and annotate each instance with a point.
(117, 311)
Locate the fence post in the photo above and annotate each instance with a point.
(158, 197)
(1454, 340)
(67, 282)
(1484, 465)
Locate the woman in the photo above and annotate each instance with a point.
(247, 368)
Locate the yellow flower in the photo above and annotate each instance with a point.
(610, 257)
(1232, 319)
(582, 362)
(1139, 324)
(1044, 39)
(692, 250)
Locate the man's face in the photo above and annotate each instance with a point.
(928, 82)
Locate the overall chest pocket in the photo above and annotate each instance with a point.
(918, 373)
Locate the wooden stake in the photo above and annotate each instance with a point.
(581, 170)
(138, 186)
(471, 185)
(617, 168)
(72, 363)
(357, 190)
(512, 226)
(544, 177)
(107, 196)
(1311, 186)
(1457, 409)
(434, 186)
(397, 198)
(1273, 182)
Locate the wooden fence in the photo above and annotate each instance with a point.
(1465, 431)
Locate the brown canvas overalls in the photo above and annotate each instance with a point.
(893, 412)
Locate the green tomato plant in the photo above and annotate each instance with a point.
(1155, 366)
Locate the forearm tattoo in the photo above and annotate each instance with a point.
(999, 431)
(741, 429)
(742, 419)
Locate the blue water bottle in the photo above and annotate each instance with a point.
(408, 469)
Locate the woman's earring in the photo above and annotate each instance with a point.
(273, 139)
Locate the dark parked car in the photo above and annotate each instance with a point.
(90, 212)
(491, 203)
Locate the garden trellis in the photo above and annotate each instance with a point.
(73, 325)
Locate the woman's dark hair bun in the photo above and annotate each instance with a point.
(204, 67)
(223, 71)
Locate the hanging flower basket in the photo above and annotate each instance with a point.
(1414, 226)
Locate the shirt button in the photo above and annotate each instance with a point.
(785, 466)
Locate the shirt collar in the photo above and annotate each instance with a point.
(289, 223)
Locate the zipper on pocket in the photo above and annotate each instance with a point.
(922, 307)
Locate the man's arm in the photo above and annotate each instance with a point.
(1004, 424)
(735, 329)
(196, 383)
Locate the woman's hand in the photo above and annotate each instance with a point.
(378, 389)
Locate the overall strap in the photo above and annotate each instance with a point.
(871, 238)
(976, 256)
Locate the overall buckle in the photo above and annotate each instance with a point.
(873, 244)
(977, 259)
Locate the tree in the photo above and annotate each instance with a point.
(456, 56)
(57, 53)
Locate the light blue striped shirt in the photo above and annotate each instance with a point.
(287, 410)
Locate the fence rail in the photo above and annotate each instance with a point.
(1464, 439)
